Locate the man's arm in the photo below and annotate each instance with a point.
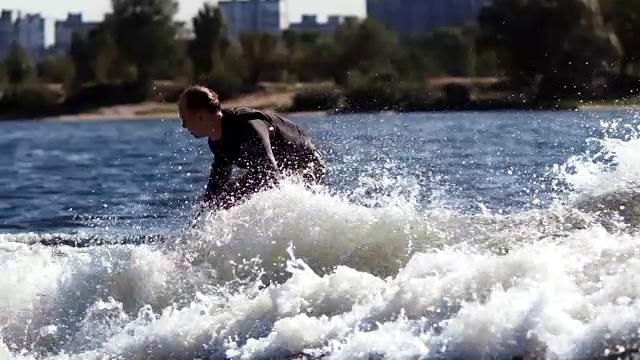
(263, 171)
(219, 176)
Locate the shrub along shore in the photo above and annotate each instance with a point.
(440, 94)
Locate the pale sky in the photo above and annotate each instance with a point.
(93, 10)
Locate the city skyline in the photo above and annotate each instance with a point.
(95, 10)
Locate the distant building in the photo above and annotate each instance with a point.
(30, 35)
(410, 18)
(64, 30)
(7, 32)
(255, 16)
(27, 31)
(310, 23)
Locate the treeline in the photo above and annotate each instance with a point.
(543, 50)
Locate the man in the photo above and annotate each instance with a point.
(267, 145)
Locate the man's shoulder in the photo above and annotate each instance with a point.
(244, 110)
(238, 111)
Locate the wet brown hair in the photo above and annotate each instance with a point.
(197, 97)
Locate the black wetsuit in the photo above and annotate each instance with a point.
(265, 144)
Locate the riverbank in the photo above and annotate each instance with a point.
(155, 110)
(158, 110)
(445, 94)
(630, 103)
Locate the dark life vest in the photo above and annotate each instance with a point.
(291, 146)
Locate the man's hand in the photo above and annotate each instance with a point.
(223, 197)
(233, 192)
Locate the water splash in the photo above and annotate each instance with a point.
(295, 272)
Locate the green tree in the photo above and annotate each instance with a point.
(81, 55)
(18, 65)
(96, 58)
(624, 17)
(57, 69)
(106, 62)
(184, 67)
(309, 55)
(364, 46)
(296, 52)
(560, 40)
(233, 58)
(416, 60)
(264, 57)
(320, 61)
(144, 32)
(451, 50)
(3, 73)
(207, 48)
(228, 76)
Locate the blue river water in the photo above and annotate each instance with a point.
(434, 235)
(61, 176)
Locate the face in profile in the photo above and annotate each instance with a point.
(195, 121)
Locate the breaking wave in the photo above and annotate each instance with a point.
(297, 273)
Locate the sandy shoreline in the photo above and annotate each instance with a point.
(129, 116)
(144, 111)
(156, 110)
(168, 111)
(608, 107)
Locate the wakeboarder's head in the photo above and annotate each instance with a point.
(201, 112)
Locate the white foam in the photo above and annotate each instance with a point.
(615, 166)
(344, 281)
